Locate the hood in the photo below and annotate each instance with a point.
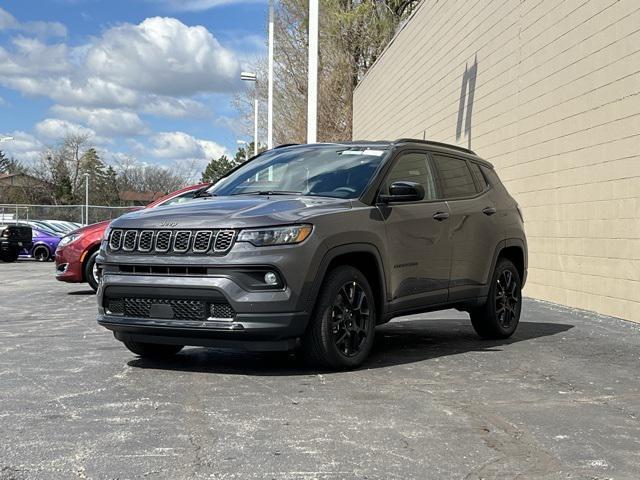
(92, 227)
(233, 212)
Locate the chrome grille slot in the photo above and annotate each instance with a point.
(129, 240)
(217, 242)
(181, 241)
(163, 241)
(202, 241)
(145, 242)
(224, 240)
(115, 240)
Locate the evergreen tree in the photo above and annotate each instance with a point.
(217, 168)
(10, 164)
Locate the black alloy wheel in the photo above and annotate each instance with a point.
(507, 298)
(350, 318)
(341, 329)
(498, 318)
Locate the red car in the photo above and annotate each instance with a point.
(76, 253)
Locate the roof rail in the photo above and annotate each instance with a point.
(435, 144)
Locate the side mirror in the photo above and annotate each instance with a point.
(403, 192)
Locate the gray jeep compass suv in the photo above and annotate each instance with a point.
(309, 247)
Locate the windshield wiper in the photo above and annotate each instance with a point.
(269, 192)
(204, 193)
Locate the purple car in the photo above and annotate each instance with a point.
(44, 245)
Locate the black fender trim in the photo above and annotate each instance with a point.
(330, 255)
(509, 242)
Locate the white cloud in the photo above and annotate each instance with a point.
(165, 57)
(201, 5)
(104, 121)
(24, 146)
(180, 145)
(174, 107)
(56, 129)
(33, 57)
(41, 29)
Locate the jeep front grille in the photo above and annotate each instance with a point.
(172, 308)
(172, 241)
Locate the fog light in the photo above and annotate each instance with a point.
(270, 278)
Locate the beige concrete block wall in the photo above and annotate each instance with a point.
(555, 89)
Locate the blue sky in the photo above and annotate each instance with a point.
(149, 78)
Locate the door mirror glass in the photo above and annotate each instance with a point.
(403, 192)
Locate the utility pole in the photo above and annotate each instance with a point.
(270, 96)
(251, 77)
(86, 197)
(312, 88)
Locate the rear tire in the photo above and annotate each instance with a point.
(341, 330)
(90, 271)
(42, 254)
(498, 318)
(152, 350)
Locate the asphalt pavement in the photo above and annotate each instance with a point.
(559, 400)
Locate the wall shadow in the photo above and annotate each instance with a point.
(467, 94)
(397, 343)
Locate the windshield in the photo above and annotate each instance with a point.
(317, 170)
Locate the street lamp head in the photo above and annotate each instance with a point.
(248, 76)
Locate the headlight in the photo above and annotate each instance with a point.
(68, 239)
(264, 237)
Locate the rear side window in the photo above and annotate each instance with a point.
(455, 177)
(480, 179)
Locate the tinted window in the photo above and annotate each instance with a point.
(321, 170)
(414, 167)
(455, 177)
(482, 182)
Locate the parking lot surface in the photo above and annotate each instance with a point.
(561, 399)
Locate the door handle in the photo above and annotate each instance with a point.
(489, 211)
(440, 216)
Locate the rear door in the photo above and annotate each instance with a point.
(418, 253)
(474, 232)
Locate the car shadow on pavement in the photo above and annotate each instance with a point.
(82, 292)
(396, 343)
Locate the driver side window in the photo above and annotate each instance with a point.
(414, 167)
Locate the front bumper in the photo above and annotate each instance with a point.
(68, 264)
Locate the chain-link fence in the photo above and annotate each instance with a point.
(70, 213)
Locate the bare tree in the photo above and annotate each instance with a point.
(353, 33)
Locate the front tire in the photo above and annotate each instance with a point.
(152, 350)
(42, 254)
(498, 318)
(91, 273)
(341, 330)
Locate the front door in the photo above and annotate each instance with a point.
(418, 253)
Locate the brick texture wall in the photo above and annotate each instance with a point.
(549, 92)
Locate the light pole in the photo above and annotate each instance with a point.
(270, 95)
(251, 77)
(86, 198)
(312, 93)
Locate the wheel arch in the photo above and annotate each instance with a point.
(515, 250)
(363, 256)
(90, 250)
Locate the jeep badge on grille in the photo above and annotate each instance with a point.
(168, 223)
